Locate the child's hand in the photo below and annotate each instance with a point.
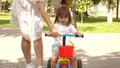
(79, 34)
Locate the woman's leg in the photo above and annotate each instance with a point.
(26, 49)
(38, 47)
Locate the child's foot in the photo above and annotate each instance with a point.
(30, 65)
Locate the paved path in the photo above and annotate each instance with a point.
(95, 50)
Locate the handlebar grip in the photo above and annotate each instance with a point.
(80, 36)
(46, 34)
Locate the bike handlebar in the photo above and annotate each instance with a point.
(72, 35)
(64, 36)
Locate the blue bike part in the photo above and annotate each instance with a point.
(69, 65)
(58, 65)
(73, 35)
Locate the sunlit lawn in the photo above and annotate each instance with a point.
(98, 24)
(5, 15)
(90, 24)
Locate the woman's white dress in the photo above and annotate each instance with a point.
(26, 14)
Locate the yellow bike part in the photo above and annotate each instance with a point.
(63, 60)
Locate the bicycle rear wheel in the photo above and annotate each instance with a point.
(49, 63)
(79, 63)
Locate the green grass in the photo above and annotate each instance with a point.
(5, 15)
(5, 23)
(98, 25)
(90, 24)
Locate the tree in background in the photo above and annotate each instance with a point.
(0, 5)
(117, 9)
(96, 2)
(111, 4)
(83, 6)
(110, 11)
(5, 5)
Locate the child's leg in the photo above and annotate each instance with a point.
(54, 59)
(38, 47)
(74, 60)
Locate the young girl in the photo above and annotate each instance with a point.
(64, 25)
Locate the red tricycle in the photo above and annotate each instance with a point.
(65, 54)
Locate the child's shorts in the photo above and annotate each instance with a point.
(55, 47)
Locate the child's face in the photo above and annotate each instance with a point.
(63, 20)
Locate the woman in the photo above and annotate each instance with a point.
(28, 15)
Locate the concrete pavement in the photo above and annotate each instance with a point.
(95, 50)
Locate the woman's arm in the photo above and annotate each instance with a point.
(46, 17)
(44, 14)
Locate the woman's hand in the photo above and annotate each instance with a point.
(48, 33)
(54, 32)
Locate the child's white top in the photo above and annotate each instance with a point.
(26, 14)
(63, 29)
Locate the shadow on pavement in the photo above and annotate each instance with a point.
(19, 64)
(9, 31)
(110, 60)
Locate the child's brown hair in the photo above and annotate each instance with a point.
(66, 3)
(63, 12)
